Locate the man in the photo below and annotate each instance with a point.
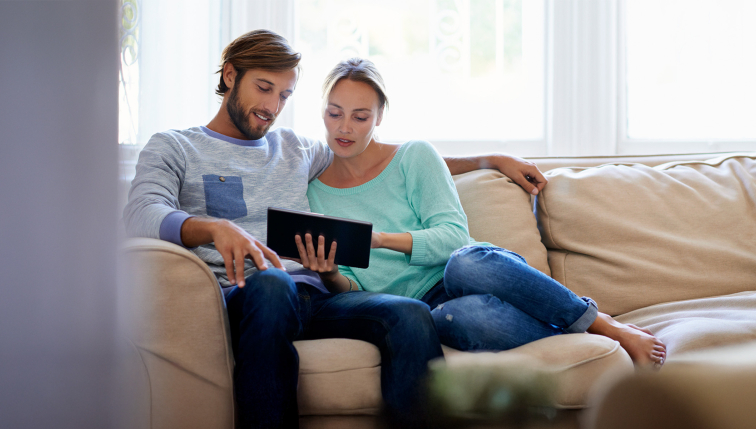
(208, 189)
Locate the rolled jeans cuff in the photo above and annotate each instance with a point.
(586, 320)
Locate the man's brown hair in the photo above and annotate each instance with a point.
(258, 49)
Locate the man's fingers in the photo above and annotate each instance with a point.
(302, 251)
(525, 184)
(239, 262)
(228, 260)
(536, 175)
(257, 258)
(271, 256)
(531, 180)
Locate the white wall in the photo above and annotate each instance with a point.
(58, 166)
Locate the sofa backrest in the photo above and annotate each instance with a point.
(630, 235)
(501, 213)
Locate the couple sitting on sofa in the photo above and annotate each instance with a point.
(207, 188)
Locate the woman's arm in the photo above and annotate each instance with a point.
(433, 198)
(524, 173)
(399, 242)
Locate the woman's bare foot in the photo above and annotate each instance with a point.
(644, 348)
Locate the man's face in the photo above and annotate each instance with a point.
(257, 98)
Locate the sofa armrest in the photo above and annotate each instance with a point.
(174, 316)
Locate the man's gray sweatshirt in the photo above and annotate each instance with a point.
(198, 172)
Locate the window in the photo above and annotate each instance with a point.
(169, 55)
(455, 71)
(690, 70)
(529, 77)
(128, 88)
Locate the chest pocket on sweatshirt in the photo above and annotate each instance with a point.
(224, 196)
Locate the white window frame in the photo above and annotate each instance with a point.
(582, 84)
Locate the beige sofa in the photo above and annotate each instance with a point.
(664, 242)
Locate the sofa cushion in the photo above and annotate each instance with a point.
(500, 212)
(338, 376)
(630, 236)
(699, 324)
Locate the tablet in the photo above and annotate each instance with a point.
(353, 236)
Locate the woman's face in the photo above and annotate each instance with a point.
(351, 115)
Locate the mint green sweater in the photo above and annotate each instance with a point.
(415, 193)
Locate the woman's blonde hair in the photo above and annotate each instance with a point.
(357, 70)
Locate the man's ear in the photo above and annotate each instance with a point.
(229, 75)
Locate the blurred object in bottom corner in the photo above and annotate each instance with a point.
(466, 396)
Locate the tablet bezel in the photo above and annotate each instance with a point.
(353, 237)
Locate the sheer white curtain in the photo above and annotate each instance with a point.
(466, 75)
(593, 77)
(171, 51)
(177, 53)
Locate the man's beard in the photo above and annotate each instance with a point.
(241, 119)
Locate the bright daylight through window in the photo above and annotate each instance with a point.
(528, 77)
(460, 71)
(690, 69)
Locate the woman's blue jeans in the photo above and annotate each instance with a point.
(271, 312)
(490, 299)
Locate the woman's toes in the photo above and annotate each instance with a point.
(640, 329)
(658, 362)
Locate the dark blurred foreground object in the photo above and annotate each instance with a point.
(465, 395)
(713, 389)
(59, 353)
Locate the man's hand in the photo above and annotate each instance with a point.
(524, 173)
(233, 242)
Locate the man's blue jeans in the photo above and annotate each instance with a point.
(271, 311)
(490, 299)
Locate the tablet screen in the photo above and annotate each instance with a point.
(353, 237)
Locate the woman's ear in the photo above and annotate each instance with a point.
(380, 116)
(229, 75)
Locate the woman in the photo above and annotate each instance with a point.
(482, 297)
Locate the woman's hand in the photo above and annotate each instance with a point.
(316, 260)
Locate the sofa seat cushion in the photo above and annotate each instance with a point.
(500, 212)
(340, 376)
(699, 324)
(631, 236)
